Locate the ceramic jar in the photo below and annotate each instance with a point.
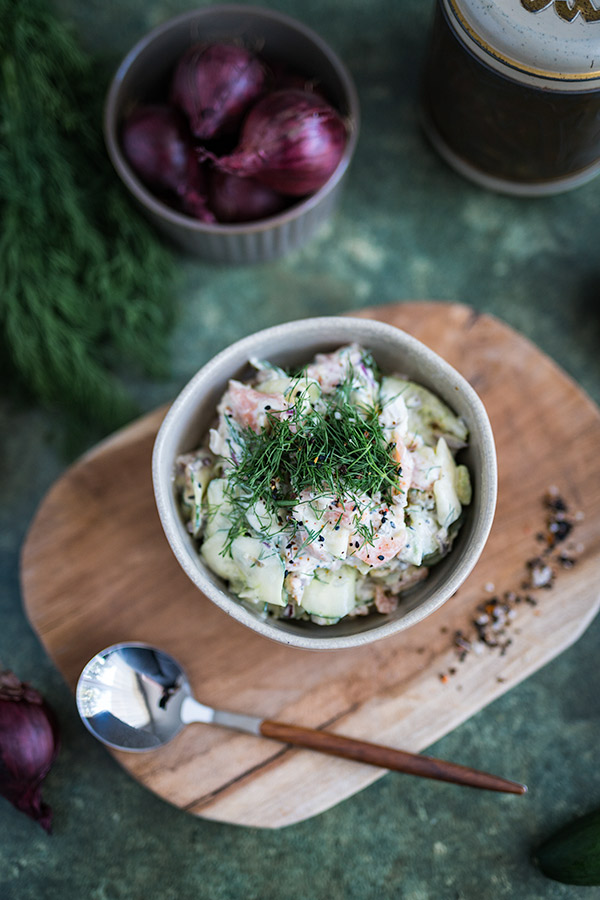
(511, 92)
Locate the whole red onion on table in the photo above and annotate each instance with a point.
(29, 744)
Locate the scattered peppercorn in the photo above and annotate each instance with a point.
(494, 615)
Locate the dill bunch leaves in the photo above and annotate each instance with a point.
(85, 285)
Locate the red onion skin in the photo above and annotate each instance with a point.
(291, 140)
(235, 199)
(160, 150)
(214, 85)
(29, 744)
(283, 78)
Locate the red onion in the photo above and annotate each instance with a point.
(292, 141)
(28, 747)
(214, 85)
(160, 150)
(236, 199)
(283, 78)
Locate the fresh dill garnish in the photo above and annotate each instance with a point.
(335, 448)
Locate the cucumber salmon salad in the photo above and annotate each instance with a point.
(325, 493)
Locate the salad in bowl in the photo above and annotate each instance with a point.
(326, 482)
(326, 492)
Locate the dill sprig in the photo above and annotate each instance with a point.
(84, 282)
(336, 448)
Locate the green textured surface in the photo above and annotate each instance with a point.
(409, 228)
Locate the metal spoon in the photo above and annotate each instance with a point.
(135, 697)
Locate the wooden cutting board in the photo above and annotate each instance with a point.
(96, 570)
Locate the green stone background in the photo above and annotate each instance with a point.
(409, 228)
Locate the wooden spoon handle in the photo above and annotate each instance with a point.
(387, 757)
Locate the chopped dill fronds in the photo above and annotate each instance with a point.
(337, 448)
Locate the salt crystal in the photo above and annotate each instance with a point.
(541, 575)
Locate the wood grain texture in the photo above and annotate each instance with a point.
(96, 570)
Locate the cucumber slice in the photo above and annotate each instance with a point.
(428, 415)
(221, 563)
(572, 854)
(420, 535)
(331, 595)
(219, 509)
(291, 388)
(447, 504)
(261, 571)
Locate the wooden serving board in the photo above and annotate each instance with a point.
(96, 570)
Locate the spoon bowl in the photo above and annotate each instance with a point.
(135, 697)
(130, 696)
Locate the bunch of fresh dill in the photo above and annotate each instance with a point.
(84, 283)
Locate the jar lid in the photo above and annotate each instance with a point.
(541, 39)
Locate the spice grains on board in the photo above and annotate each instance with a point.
(494, 616)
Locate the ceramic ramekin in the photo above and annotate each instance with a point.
(146, 70)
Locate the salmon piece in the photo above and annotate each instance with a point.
(250, 407)
(331, 369)
(381, 550)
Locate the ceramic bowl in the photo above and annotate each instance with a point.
(294, 344)
(143, 75)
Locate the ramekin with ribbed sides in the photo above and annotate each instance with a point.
(289, 347)
(298, 65)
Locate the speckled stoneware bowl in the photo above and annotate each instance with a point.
(143, 75)
(294, 344)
